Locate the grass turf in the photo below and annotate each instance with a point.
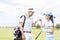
(7, 34)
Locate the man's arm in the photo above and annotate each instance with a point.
(21, 28)
(21, 24)
(34, 22)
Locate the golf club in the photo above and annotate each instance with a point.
(38, 35)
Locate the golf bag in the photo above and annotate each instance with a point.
(17, 32)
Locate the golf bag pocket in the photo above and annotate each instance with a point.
(17, 33)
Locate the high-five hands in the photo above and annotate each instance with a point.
(41, 24)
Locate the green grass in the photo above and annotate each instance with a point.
(42, 36)
(7, 34)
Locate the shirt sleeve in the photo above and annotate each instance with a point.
(22, 19)
(33, 21)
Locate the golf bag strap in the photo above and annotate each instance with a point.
(24, 19)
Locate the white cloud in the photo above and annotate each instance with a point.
(12, 9)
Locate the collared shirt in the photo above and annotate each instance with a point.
(28, 23)
(48, 25)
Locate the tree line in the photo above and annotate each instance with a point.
(57, 26)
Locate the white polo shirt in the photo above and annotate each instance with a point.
(28, 23)
(48, 25)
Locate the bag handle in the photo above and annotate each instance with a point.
(24, 19)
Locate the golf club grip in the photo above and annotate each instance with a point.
(38, 35)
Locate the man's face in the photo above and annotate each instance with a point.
(30, 13)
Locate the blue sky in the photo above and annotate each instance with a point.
(10, 10)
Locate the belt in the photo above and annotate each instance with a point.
(26, 31)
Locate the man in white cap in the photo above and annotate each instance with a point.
(27, 30)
